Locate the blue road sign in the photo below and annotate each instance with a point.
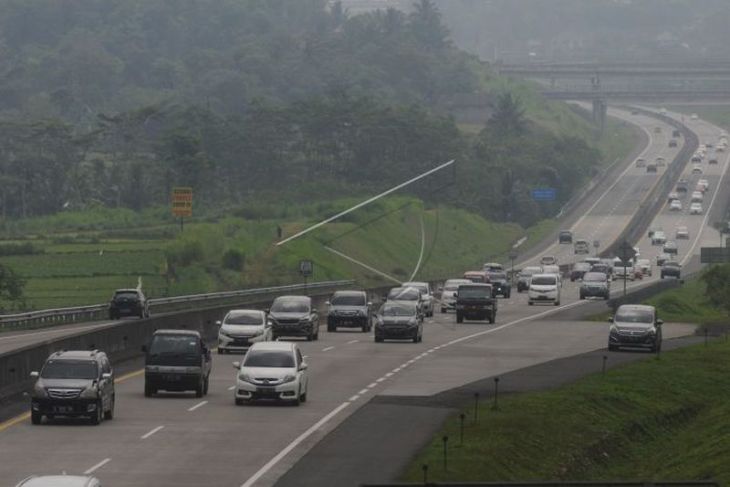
(543, 194)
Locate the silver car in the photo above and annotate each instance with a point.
(426, 294)
(241, 328)
(448, 293)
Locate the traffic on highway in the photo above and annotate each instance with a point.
(217, 413)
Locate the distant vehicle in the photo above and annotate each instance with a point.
(477, 276)
(500, 284)
(493, 266)
(670, 247)
(448, 293)
(591, 260)
(274, 371)
(552, 269)
(595, 284)
(697, 197)
(634, 112)
(581, 247)
(524, 277)
(176, 360)
(476, 302)
(657, 130)
(579, 270)
(682, 233)
(73, 384)
(635, 325)
(399, 320)
(624, 272)
(602, 268)
(673, 196)
(672, 143)
(708, 145)
(349, 309)
(675, 205)
(663, 111)
(682, 186)
(544, 288)
(548, 260)
(671, 269)
(658, 238)
(702, 185)
(241, 328)
(294, 316)
(720, 148)
(694, 116)
(409, 294)
(651, 168)
(644, 265)
(662, 258)
(660, 161)
(565, 236)
(128, 302)
(712, 161)
(640, 162)
(696, 159)
(426, 295)
(695, 209)
(676, 133)
(696, 169)
(60, 481)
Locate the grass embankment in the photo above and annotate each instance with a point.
(717, 114)
(659, 419)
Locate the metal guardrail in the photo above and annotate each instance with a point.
(99, 311)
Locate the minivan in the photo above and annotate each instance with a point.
(544, 288)
(176, 360)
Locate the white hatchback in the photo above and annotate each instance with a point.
(695, 209)
(675, 205)
(241, 328)
(272, 371)
(544, 288)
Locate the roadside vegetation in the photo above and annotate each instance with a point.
(659, 419)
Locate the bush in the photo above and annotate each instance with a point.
(26, 248)
(234, 260)
(185, 253)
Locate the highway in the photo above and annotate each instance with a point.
(184, 441)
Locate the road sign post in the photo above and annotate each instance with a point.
(626, 253)
(182, 203)
(512, 257)
(306, 269)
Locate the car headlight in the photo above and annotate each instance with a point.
(223, 334)
(289, 378)
(413, 322)
(258, 332)
(245, 377)
(304, 321)
(39, 391)
(652, 331)
(90, 393)
(613, 331)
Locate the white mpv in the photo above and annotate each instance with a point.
(544, 288)
(273, 371)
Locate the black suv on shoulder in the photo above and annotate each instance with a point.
(128, 302)
(73, 384)
(500, 284)
(349, 309)
(176, 360)
(294, 316)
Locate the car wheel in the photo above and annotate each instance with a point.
(200, 390)
(415, 338)
(662, 277)
(378, 339)
(35, 417)
(298, 400)
(508, 295)
(148, 391)
(459, 318)
(98, 414)
(582, 296)
(331, 328)
(238, 401)
(110, 414)
(316, 335)
(557, 303)
(206, 386)
(443, 310)
(310, 337)
(491, 319)
(221, 351)
(530, 303)
(606, 297)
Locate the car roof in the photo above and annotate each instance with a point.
(293, 298)
(285, 346)
(75, 354)
(349, 293)
(476, 284)
(127, 291)
(245, 311)
(415, 283)
(457, 281)
(57, 481)
(637, 307)
(170, 331)
(548, 274)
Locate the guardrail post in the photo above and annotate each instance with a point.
(496, 393)
(445, 439)
(462, 417)
(476, 407)
(603, 368)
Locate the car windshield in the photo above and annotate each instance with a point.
(290, 306)
(634, 316)
(594, 277)
(348, 300)
(70, 369)
(475, 292)
(671, 264)
(397, 310)
(244, 318)
(174, 344)
(543, 280)
(404, 294)
(269, 358)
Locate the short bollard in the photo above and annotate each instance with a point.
(603, 369)
(445, 439)
(496, 393)
(476, 407)
(424, 467)
(706, 336)
(462, 417)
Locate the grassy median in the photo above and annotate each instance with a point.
(665, 418)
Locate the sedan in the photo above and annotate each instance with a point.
(241, 328)
(695, 209)
(274, 371)
(660, 162)
(670, 247)
(640, 162)
(681, 232)
(675, 205)
(696, 169)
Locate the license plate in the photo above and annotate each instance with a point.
(62, 409)
(172, 377)
(263, 391)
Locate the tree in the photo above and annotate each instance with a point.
(427, 26)
(11, 287)
(509, 116)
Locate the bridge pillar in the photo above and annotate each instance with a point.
(600, 108)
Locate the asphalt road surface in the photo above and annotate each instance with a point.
(184, 441)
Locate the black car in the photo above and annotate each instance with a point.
(676, 133)
(128, 302)
(671, 269)
(578, 270)
(294, 316)
(401, 320)
(565, 237)
(176, 361)
(73, 384)
(500, 284)
(682, 187)
(672, 143)
(595, 284)
(349, 309)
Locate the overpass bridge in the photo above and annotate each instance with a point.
(685, 71)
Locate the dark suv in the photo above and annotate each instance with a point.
(595, 284)
(177, 360)
(128, 302)
(500, 284)
(349, 309)
(565, 237)
(475, 302)
(294, 316)
(671, 269)
(73, 384)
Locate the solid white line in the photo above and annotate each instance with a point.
(150, 433)
(97, 466)
(327, 349)
(366, 202)
(380, 379)
(262, 471)
(199, 405)
(389, 374)
(352, 341)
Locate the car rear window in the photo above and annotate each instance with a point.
(126, 295)
(634, 316)
(244, 318)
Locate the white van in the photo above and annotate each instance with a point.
(544, 288)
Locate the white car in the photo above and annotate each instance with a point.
(426, 294)
(658, 238)
(681, 233)
(241, 328)
(621, 272)
(272, 371)
(493, 266)
(644, 265)
(695, 209)
(544, 288)
(548, 260)
(697, 197)
(640, 162)
(448, 293)
(673, 196)
(660, 161)
(675, 205)
(702, 185)
(553, 269)
(694, 116)
(60, 481)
